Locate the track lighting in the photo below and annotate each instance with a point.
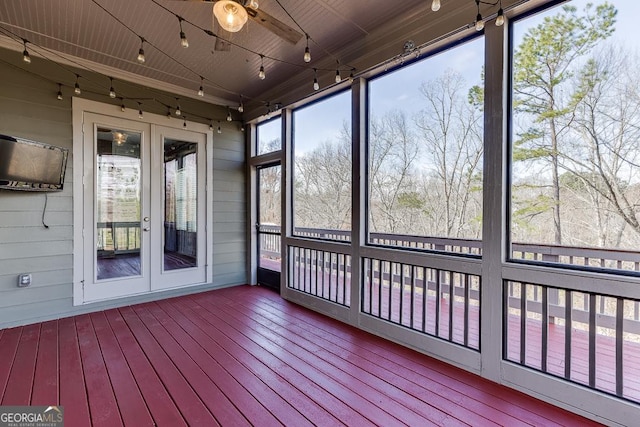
(435, 5)
(201, 90)
(59, 92)
(178, 111)
(479, 22)
(261, 73)
(307, 52)
(316, 85)
(25, 53)
(229, 118)
(76, 88)
(112, 91)
(183, 38)
(141, 57)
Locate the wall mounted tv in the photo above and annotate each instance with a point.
(31, 166)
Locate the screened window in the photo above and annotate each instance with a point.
(322, 168)
(269, 136)
(425, 153)
(575, 142)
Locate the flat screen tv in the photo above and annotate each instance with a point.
(31, 166)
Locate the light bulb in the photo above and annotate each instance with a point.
(77, 89)
(141, 57)
(316, 85)
(219, 129)
(241, 108)
(25, 53)
(261, 74)
(178, 111)
(435, 5)
(211, 126)
(500, 18)
(229, 118)
(307, 54)
(183, 40)
(169, 113)
(122, 108)
(140, 115)
(112, 92)
(201, 91)
(338, 78)
(351, 77)
(479, 23)
(59, 95)
(184, 124)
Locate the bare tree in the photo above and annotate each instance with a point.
(451, 128)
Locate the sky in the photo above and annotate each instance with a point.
(399, 89)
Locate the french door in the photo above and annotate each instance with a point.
(144, 207)
(268, 227)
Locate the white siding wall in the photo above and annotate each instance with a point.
(29, 109)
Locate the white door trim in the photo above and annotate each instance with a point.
(79, 108)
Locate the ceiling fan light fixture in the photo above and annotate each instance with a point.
(230, 15)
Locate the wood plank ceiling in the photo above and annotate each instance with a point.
(357, 33)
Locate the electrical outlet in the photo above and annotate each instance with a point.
(24, 280)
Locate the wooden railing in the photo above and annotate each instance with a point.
(122, 237)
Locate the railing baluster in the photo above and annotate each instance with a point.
(467, 295)
(451, 277)
(401, 293)
(545, 328)
(523, 322)
(592, 339)
(425, 298)
(568, 296)
(413, 294)
(438, 298)
(619, 347)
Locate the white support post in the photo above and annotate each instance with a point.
(286, 196)
(494, 205)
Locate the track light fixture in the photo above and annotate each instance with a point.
(307, 52)
(76, 88)
(141, 57)
(112, 91)
(183, 38)
(25, 53)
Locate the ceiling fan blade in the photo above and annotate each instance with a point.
(274, 25)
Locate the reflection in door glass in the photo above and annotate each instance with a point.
(180, 204)
(269, 217)
(118, 179)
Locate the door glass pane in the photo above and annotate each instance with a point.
(269, 217)
(118, 191)
(180, 204)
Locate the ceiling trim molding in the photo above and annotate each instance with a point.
(73, 61)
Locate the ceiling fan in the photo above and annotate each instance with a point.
(231, 16)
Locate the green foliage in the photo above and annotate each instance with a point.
(410, 200)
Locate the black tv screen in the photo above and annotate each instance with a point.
(31, 166)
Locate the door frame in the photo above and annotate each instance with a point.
(114, 113)
(266, 276)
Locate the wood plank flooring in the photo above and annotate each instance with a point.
(243, 356)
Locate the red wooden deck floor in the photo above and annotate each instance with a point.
(243, 356)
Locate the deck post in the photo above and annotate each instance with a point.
(494, 226)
